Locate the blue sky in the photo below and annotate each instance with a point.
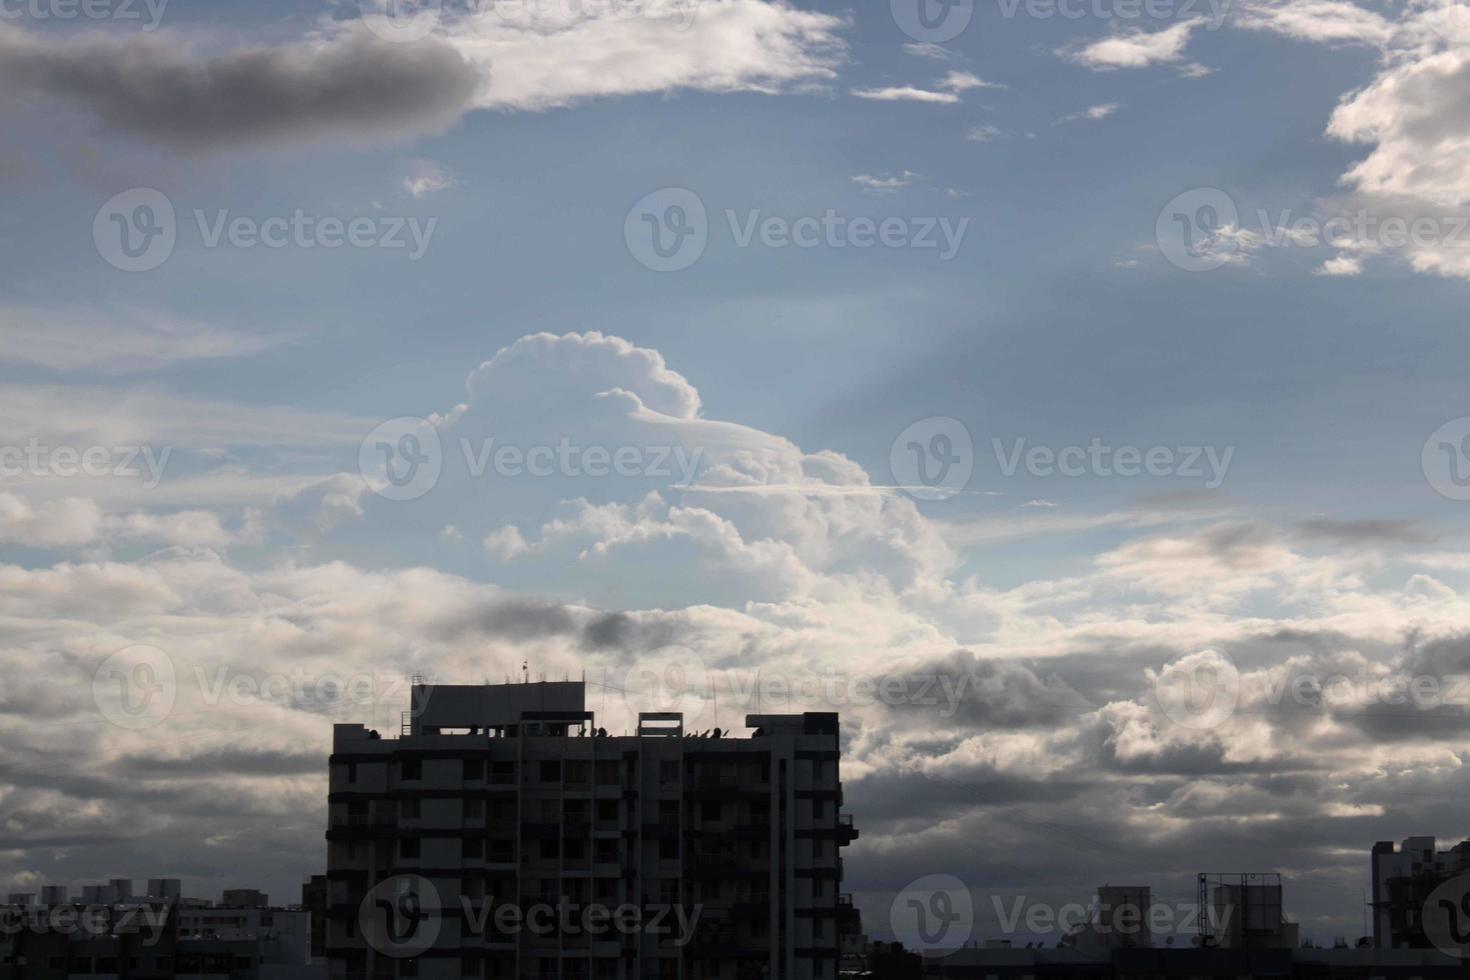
(1314, 367)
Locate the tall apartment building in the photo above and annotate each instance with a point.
(1403, 880)
(661, 854)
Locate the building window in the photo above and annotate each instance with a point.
(408, 847)
(351, 772)
(411, 769)
(408, 809)
(551, 771)
(709, 811)
(668, 772)
(474, 809)
(474, 770)
(472, 848)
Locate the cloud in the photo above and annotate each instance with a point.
(1100, 111)
(1363, 532)
(933, 52)
(352, 87)
(963, 81)
(70, 521)
(1321, 21)
(946, 90)
(345, 85)
(1412, 117)
(118, 340)
(1134, 48)
(868, 182)
(1340, 265)
(1028, 708)
(987, 133)
(905, 93)
(426, 177)
(573, 54)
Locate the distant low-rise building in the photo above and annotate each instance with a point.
(244, 898)
(1195, 963)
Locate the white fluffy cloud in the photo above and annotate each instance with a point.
(568, 54)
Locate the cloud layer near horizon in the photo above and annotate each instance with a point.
(1030, 711)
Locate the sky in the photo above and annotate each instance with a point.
(1069, 393)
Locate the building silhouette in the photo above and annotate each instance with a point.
(1403, 880)
(502, 835)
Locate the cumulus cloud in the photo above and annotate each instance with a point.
(1409, 116)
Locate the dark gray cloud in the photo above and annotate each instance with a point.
(354, 88)
(1364, 532)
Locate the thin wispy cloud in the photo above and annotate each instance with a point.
(1092, 113)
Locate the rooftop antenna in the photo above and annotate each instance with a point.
(526, 671)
